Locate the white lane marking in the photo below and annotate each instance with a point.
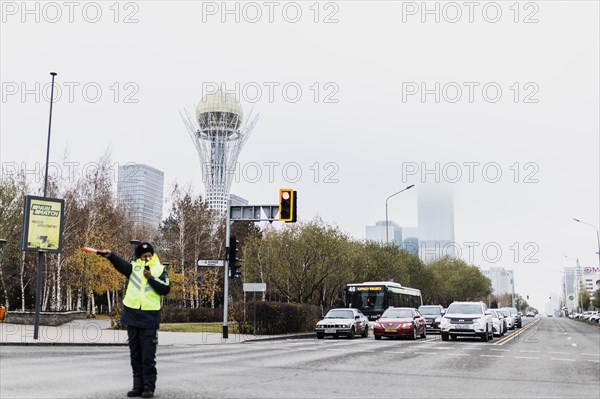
(561, 353)
(574, 344)
(564, 360)
(500, 350)
(393, 352)
(425, 353)
(527, 357)
(459, 354)
(529, 351)
(336, 350)
(491, 356)
(594, 361)
(591, 354)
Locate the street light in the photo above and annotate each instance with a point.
(386, 211)
(597, 236)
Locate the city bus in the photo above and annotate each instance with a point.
(373, 297)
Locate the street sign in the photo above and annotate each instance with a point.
(571, 297)
(211, 262)
(255, 287)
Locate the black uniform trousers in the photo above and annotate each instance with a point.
(142, 347)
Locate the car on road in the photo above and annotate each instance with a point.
(510, 319)
(433, 316)
(498, 322)
(516, 316)
(530, 314)
(343, 321)
(400, 322)
(467, 319)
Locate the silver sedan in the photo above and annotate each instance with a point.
(343, 321)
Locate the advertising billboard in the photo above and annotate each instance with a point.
(43, 224)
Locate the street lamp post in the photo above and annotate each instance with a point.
(41, 259)
(597, 235)
(2, 242)
(386, 211)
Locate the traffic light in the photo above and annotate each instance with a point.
(287, 205)
(234, 261)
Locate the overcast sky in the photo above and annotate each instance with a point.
(356, 99)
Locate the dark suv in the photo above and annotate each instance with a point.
(433, 316)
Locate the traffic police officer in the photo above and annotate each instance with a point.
(148, 280)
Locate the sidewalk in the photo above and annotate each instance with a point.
(98, 332)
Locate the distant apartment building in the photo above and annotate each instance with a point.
(573, 278)
(433, 238)
(502, 280)
(379, 233)
(140, 193)
(436, 222)
(406, 238)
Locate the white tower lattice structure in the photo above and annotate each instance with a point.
(219, 134)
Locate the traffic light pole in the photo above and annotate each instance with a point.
(226, 276)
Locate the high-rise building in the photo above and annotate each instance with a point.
(436, 222)
(577, 278)
(502, 280)
(570, 282)
(140, 192)
(411, 245)
(378, 233)
(406, 238)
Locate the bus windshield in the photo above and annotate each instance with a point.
(371, 300)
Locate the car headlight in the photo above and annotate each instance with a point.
(476, 321)
(438, 319)
(405, 325)
(377, 325)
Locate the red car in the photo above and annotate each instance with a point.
(400, 322)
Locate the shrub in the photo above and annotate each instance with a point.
(276, 317)
(171, 314)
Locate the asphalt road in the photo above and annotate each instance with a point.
(548, 358)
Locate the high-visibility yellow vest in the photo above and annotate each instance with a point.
(140, 294)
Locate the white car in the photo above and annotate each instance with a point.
(343, 321)
(498, 322)
(467, 319)
(510, 319)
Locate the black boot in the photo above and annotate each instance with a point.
(134, 392)
(147, 394)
